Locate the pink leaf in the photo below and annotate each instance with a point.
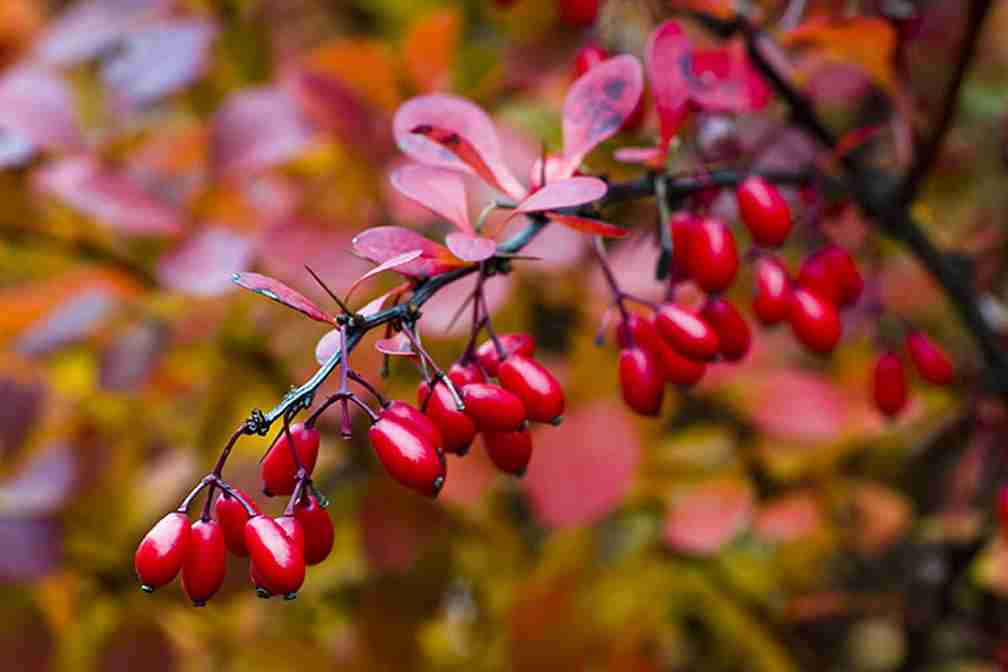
(598, 103)
(91, 28)
(375, 305)
(86, 185)
(723, 80)
(472, 129)
(667, 57)
(397, 345)
(440, 191)
(328, 346)
(789, 517)
(394, 262)
(382, 243)
(564, 194)
(648, 156)
(157, 60)
(708, 517)
(204, 263)
(73, 320)
(276, 290)
(38, 107)
(468, 247)
(256, 129)
(595, 227)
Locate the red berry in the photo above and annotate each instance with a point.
(232, 518)
(162, 551)
(318, 529)
(929, 359)
(641, 380)
(764, 211)
(713, 257)
(509, 451)
(493, 408)
(729, 325)
(682, 227)
(687, 332)
(406, 414)
(772, 301)
(277, 561)
(538, 389)
(832, 274)
(205, 562)
(513, 344)
(639, 331)
(676, 368)
(457, 429)
(1002, 509)
(587, 58)
(815, 322)
(463, 374)
(293, 529)
(408, 456)
(277, 468)
(889, 384)
(578, 13)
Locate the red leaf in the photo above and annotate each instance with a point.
(708, 517)
(394, 262)
(382, 243)
(598, 103)
(440, 191)
(667, 53)
(276, 290)
(723, 80)
(92, 27)
(595, 227)
(471, 248)
(563, 194)
(203, 264)
(87, 186)
(158, 59)
(472, 131)
(257, 129)
(37, 107)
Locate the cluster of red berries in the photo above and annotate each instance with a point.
(889, 383)
(411, 442)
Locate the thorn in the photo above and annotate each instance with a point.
(328, 291)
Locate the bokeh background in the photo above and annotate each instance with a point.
(768, 520)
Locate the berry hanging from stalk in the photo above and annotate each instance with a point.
(538, 389)
(772, 300)
(509, 451)
(493, 408)
(929, 359)
(408, 415)
(231, 516)
(277, 561)
(764, 211)
(205, 562)
(889, 384)
(713, 255)
(318, 529)
(687, 332)
(641, 380)
(162, 551)
(815, 322)
(408, 456)
(512, 344)
(457, 429)
(278, 469)
(731, 328)
(832, 273)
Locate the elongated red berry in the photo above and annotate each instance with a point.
(815, 321)
(493, 408)
(463, 374)
(162, 551)
(318, 529)
(277, 559)
(277, 468)
(509, 451)
(832, 273)
(538, 389)
(729, 325)
(687, 332)
(764, 211)
(772, 299)
(929, 359)
(408, 456)
(293, 529)
(889, 384)
(457, 429)
(407, 414)
(676, 368)
(641, 380)
(683, 225)
(512, 344)
(640, 331)
(713, 256)
(232, 518)
(205, 562)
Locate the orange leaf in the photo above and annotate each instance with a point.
(366, 66)
(430, 47)
(866, 42)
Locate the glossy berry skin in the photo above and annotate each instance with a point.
(639, 331)
(293, 529)
(277, 560)
(889, 385)
(682, 227)
(462, 374)
(772, 299)
(731, 328)
(513, 344)
(539, 390)
(713, 256)
(412, 416)
(764, 211)
(675, 368)
(205, 562)
(162, 551)
(318, 529)
(232, 518)
(641, 381)
(457, 429)
(815, 322)
(687, 332)
(832, 273)
(277, 468)
(578, 13)
(509, 451)
(493, 408)
(929, 359)
(408, 456)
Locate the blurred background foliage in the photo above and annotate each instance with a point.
(769, 520)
